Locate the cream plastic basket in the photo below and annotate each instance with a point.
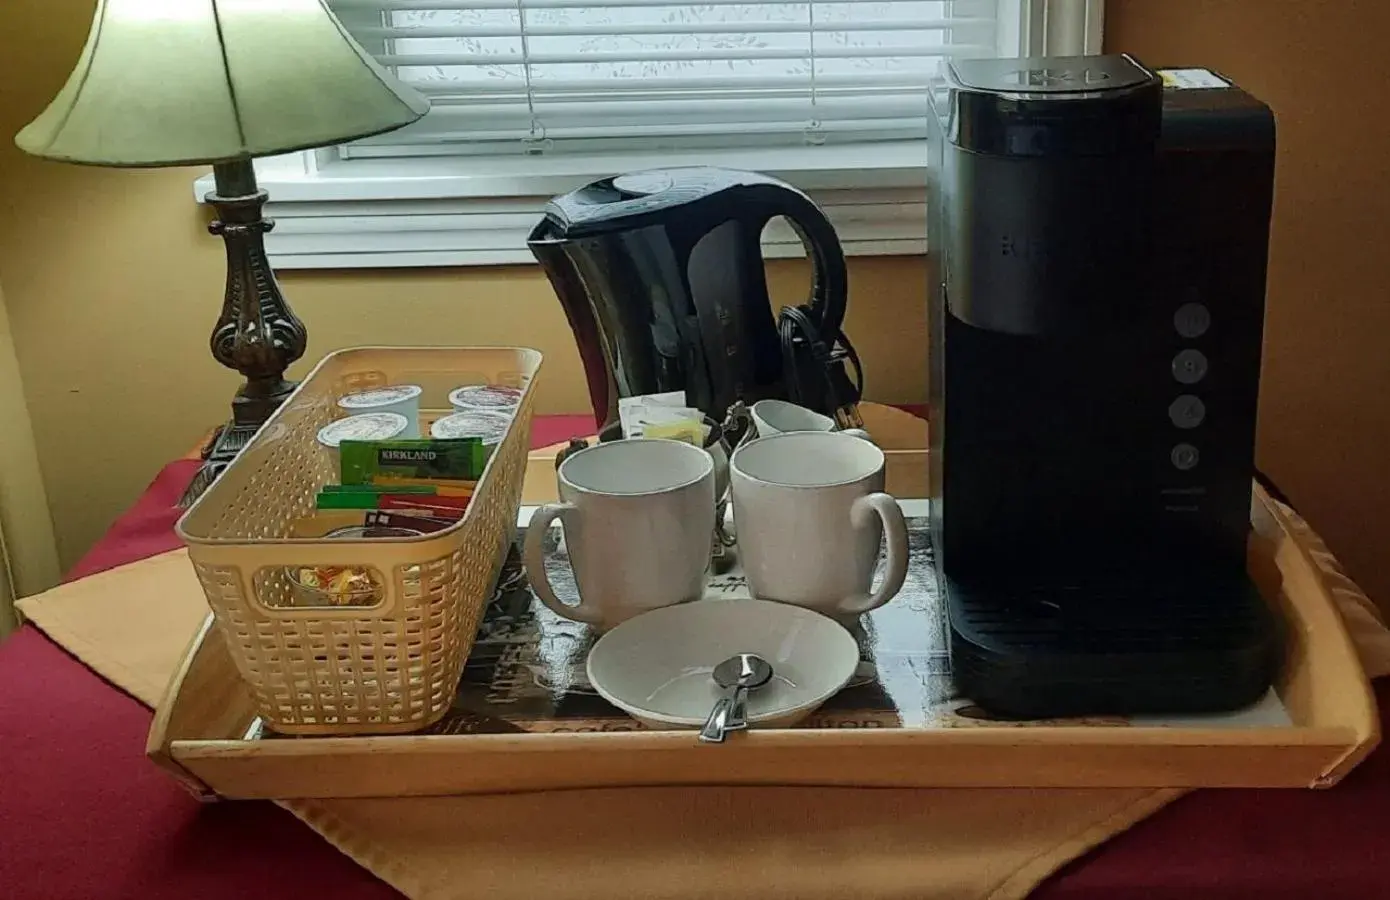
(392, 666)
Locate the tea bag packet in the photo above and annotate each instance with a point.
(662, 416)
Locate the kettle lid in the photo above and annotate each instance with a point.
(636, 199)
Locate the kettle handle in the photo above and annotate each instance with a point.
(829, 280)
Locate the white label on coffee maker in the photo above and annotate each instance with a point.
(1184, 79)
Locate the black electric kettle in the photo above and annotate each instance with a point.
(661, 276)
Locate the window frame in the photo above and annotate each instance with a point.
(424, 211)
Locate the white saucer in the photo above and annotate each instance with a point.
(656, 667)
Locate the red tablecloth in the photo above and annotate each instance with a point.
(84, 815)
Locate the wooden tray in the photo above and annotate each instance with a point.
(200, 728)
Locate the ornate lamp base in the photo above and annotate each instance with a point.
(229, 440)
(257, 333)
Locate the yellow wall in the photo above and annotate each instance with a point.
(28, 557)
(112, 284)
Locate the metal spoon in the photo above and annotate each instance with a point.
(737, 675)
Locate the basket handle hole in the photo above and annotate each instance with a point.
(311, 586)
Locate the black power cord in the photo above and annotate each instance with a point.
(813, 366)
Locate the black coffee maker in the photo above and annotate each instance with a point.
(661, 276)
(1099, 246)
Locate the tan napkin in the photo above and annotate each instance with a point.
(132, 625)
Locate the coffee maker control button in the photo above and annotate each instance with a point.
(1192, 320)
(1187, 411)
(1184, 457)
(1190, 366)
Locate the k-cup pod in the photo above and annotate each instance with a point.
(490, 426)
(378, 426)
(495, 397)
(403, 399)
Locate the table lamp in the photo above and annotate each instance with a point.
(183, 82)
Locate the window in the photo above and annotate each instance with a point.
(535, 97)
(533, 76)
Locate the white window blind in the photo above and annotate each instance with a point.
(542, 76)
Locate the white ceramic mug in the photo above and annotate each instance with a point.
(810, 512)
(637, 516)
(780, 417)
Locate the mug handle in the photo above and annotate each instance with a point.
(533, 557)
(894, 535)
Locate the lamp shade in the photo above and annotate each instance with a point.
(169, 82)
